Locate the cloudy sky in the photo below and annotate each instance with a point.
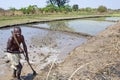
(113, 4)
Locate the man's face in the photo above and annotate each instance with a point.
(17, 32)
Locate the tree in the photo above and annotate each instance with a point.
(88, 9)
(61, 25)
(50, 8)
(102, 9)
(68, 8)
(24, 10)
(51, 2)
(32, 9)
(12, 9)
(59, 3)
(1, 9)
(75, 7)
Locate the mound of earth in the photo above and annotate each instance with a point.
(96, 59)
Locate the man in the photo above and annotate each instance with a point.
(14, 51)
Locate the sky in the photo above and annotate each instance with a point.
(112, 4)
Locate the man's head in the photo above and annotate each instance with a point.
(17, 31)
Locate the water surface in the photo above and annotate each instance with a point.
(43, 41)
(84, 26)
(113, 18)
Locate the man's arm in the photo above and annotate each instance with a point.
(9, 44)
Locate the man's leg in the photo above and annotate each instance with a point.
(19, 69)
(14, 73)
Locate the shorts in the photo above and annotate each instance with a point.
(14, 59)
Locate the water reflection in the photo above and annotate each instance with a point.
(60, 25)
(85, 26)
(89, 26)
(113, 18)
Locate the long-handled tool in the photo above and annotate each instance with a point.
(34, 72)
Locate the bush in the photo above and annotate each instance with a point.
(102, 9)
(75, 7)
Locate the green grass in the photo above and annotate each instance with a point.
(97, 19)
(115, 14)
(9, 20)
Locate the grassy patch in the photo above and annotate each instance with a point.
(8, 20)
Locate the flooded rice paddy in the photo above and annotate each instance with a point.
(85, 26)
(45, 46)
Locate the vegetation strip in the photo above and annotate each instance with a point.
(58, 19)
(77, 33)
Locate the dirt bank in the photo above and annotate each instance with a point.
(97, 59)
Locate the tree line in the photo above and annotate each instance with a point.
(55, 6)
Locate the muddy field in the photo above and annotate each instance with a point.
(44, 46)
(96, 59)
